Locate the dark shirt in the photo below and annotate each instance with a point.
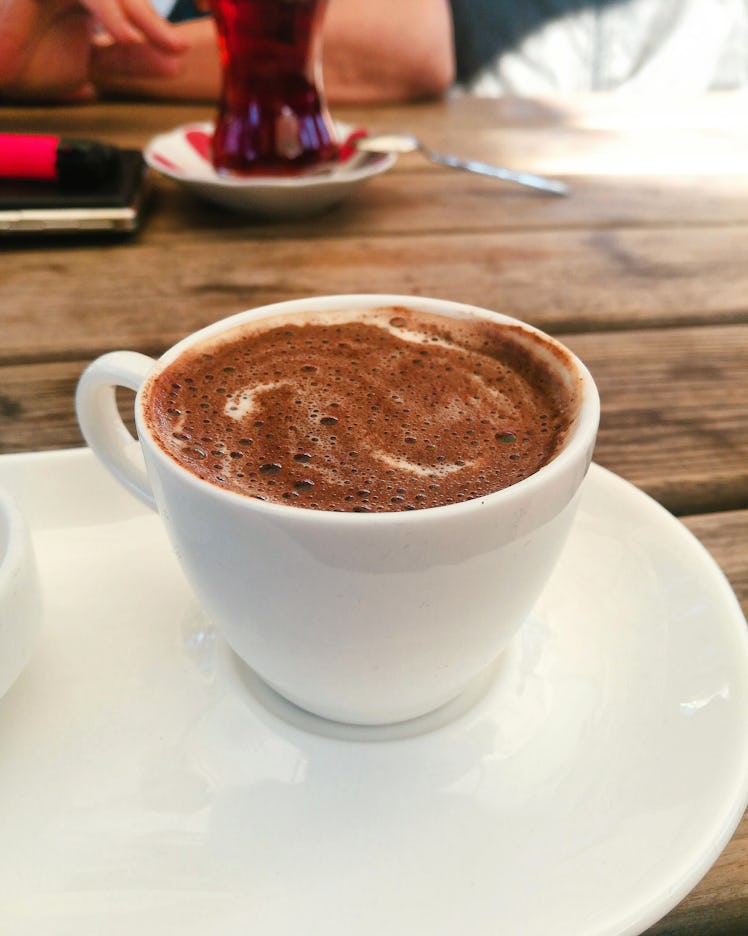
(185, 10)
(484, 28)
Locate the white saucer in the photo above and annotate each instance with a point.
(149, 786)
(183, 155)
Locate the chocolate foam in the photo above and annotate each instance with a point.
(383, 410)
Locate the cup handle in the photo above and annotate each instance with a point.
(101, 423)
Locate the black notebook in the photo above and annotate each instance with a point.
(114, 205)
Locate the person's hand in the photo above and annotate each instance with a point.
(144, 70)
(47, 47)
(134, 21)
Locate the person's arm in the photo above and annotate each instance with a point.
(386, 50)
(44, 50)
(145, 71)
(46, 45)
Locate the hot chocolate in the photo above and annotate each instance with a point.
(387, 409)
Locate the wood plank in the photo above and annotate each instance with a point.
(75, 300)
(407, 201)
(674, 420)
(584, 134)
(124, 123)
(711, 112)
(581, 134)
(36, 407)
(653, 423)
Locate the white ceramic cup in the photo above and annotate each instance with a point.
(364, 618)
(20, 592)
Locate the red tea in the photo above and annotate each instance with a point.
(272, 117)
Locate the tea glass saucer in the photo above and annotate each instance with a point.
(183, 154)
(150, 783)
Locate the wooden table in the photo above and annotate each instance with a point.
(642, 272)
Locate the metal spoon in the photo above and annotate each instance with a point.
(407, 143)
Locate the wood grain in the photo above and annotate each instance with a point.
(673, 412)
(70, 300)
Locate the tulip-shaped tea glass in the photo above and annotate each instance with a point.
(272, 118)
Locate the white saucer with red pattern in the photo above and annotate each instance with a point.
(183, 154)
